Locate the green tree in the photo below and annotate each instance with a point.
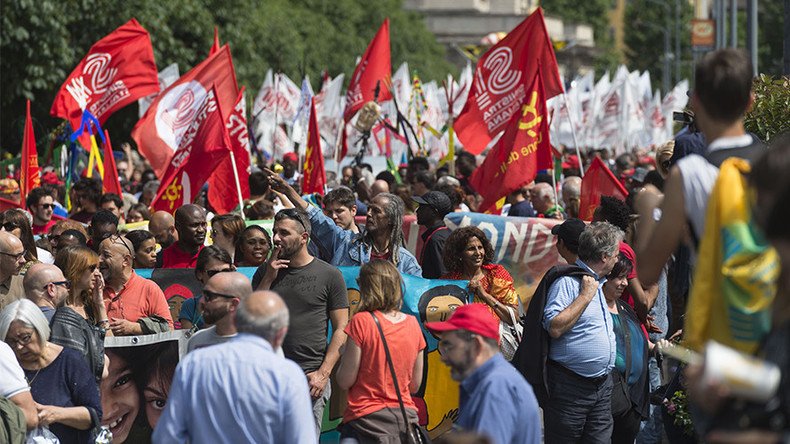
(42, 40)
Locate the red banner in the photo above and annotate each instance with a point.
(514, 160)
(498, 87)
(598, 181)
(313, 175)
(118, 70)
(373, 68)
(110, 182)
(204, 145)
(161, 130)
(29, 172)
(222, 193)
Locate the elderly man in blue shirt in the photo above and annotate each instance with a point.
(496, 400)
(241, 391)
(582, 347)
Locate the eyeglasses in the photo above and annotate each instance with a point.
(23, 341)
(292, 213)
(47, 206)
(210, 295)
(16, 256)
(211, 273)
(10, 226)
(66, 284)
(117, 239)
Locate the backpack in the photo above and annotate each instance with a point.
(12, 422)
(532, 353)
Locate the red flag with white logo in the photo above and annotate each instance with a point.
(498, 88)
(515, 159)
(598, 181)
(118, 70)
(313, 173)
(373, 69)
(159, 133)
(204, 144)
(223, 194)
(29, 172)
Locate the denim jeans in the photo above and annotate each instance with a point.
(651, 430)
(318, 408)
(578, 409)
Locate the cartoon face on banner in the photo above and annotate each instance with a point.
(177, 110)
(178, 285)
(140, 372)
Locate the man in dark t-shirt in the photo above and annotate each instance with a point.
(315, 294)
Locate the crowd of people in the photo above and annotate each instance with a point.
(263, 353)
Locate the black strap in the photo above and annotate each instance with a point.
(626, 338)
(392, 370)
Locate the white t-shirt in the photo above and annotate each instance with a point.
(208, 337)
(12, 377)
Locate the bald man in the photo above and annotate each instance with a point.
(163, 226)
(379, 186)
(221, 297)
(571, 193)
(190, 223)
(235, 380)
(46, 286)
(542, 197)
(12, 257)
(134, 304)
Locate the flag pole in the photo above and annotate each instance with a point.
(573, 132)
(554, 186)
(238, 184)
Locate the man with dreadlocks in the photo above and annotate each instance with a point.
(382, 239)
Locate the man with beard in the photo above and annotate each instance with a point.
(190, 224)
(41, 205)
(12, 258)
(221, 297)
(163, 227)
(315, 293)
(382, 239)
(495, 399)
(134, 304)
(433, 206)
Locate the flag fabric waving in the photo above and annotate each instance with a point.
(118, 70)
(110, 182)
(313, 174)
(374, 68)
(29, 176)
(523, 149)
(222, 193)
(598, 181)
(160, 132)
(215, 47)
(204, 144)
(499, 80)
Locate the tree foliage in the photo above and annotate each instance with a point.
(42, 40)
(768, 115)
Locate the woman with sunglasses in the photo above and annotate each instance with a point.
(211, 260)
(82, 322)
(18, 223)
(67, 399)
(373, 413)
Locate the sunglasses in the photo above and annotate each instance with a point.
(117, 239)
(47, 206)
(294, 214)
(66, 284)
(210, 295)
(211, 273)
(10, 226)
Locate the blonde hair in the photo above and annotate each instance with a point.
(663, 154)
(380, 287)
(74, 261)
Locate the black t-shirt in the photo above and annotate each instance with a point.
(310, 292)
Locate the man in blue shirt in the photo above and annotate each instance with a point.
(582, 347)
(496, 400)
(241, 391)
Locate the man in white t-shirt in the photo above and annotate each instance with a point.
(13, 385)
(221, 297)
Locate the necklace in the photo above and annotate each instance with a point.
(376, 249)
(30, 382)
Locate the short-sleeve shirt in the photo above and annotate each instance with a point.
(12, 378)
(373, 390)
(139, 298)
(43, 229)
(189, 311)
(311, 292)
(628, 252)
(174, 257)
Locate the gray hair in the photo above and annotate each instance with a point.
(264, 326)
(599, 239)
(152, 186)
(448, 180)
(26, 312)
(394, 211)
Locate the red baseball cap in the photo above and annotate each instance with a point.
(291, 156)
(475, 318)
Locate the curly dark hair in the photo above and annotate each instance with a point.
(455, 245)
(614, 211)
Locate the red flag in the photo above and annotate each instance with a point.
(500, 78)
(159, 133)
(222, 193)
(215, 47)
(373, 68)
(313, 173)
(110, 182)
(118, 70)
(29, 176)
(598, 181)
(514, 161)
(204, 145)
